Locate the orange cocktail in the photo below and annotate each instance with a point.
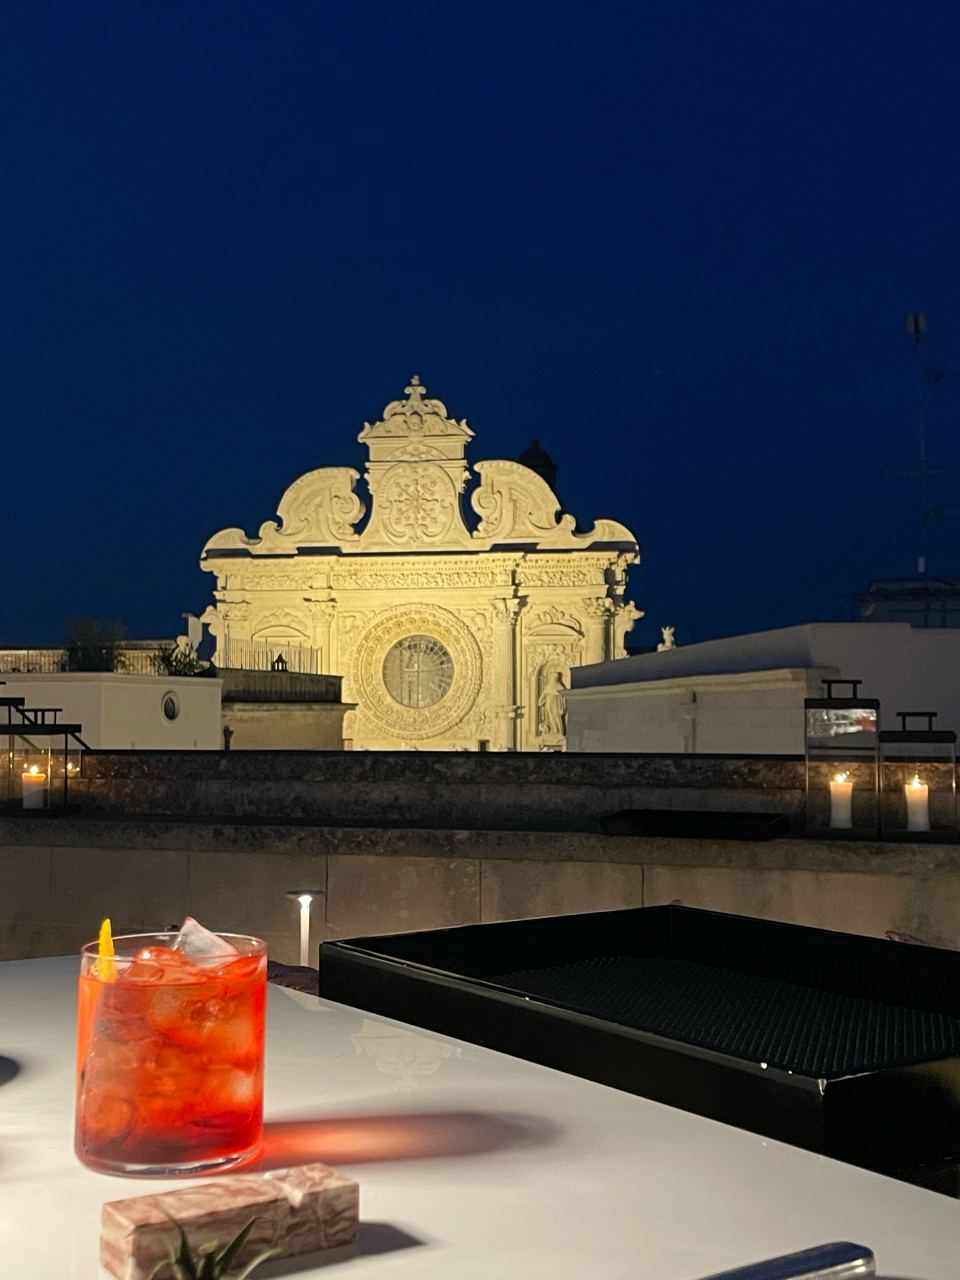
(170, 1055)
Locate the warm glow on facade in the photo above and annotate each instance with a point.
(449, 635)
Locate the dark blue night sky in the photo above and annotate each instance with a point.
(676, 243)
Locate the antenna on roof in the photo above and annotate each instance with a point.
(917, 328)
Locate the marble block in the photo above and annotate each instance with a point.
(296, 1210)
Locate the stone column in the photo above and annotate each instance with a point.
(506, 674)
(323, 611)
(519, 711)
(234, 631)
(598, 646)
(514, 727)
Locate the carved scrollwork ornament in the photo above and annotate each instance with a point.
(506, 611)
(598, 608)
(233, 612)
(282, 619)
(554, 617)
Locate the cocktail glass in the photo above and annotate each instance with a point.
(170, 1055)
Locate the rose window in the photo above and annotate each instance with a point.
(418, 671)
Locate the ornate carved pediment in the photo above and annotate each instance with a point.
(517, 505)
(416, 474)
(416, 507)
(407, 426)
(319, 509)
(418, 503)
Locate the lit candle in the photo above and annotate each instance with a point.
(34, 788)
(918, 804)
(841, 801)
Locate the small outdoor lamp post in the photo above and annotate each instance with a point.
(841, 744)
(919, 777)
(305, 898)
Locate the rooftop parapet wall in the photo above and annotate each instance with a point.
(62, 877)
(472, 790)
(278, 686)
(482, 790)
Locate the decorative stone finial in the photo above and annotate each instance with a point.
(416, 392)
(415, 408)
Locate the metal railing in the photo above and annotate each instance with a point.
(262, 655)
(139, 661)
(41, 661)
(840, 1260)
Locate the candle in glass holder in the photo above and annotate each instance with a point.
(918, 804)
(34, 788)
(841, 801)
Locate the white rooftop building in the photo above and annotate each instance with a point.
(744, 694)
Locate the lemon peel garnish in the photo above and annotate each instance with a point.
(106, 964)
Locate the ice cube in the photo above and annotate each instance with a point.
(199, 943)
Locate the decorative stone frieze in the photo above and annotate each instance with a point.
(371, 578)
(557, 573)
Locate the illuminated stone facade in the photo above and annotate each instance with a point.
(448, 635)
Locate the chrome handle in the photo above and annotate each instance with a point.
(838, 1261)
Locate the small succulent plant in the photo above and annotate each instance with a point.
(209, 1261)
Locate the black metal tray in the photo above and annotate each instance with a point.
(842, 1044)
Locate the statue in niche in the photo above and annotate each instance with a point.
(552, 707)
(668, 641)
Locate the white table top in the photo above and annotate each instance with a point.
(471, 1163)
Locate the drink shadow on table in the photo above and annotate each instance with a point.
(349, 1140)
(375, 1238)
(339, 1140)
